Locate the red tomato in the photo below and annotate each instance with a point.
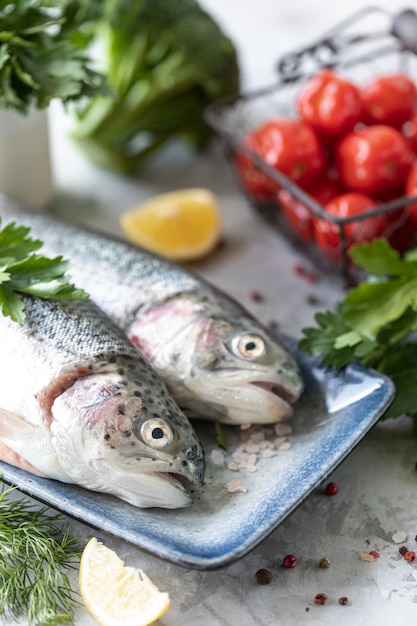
(289, 146)
(300, 216)
(258, 185)
(328, 233)
(410, 133)
(373, 160)
(411, 190)
(404, 221)
(330, 104)
(411, 182)
(390, 100)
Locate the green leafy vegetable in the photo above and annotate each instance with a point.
(165, 62)
(35, 557)
(375, 323)
(42, 53)
(220, 438)
(24, 272)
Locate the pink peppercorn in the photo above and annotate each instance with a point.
(320, 598)
(256, 296)
(409, 555)
(375, 554)
(298, 268)
(331, 489)
(289, 561)
(310, 276)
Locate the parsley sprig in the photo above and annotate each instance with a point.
(375, 323)
(42, 53)
(24, 272)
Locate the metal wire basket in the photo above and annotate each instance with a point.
(370, 43)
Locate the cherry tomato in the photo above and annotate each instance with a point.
(328, 233)
(404, 221)
(410, 133)
(289, 146)
(390, 100)
(411, 182)
(330, 104)
(373, 160)
(411, 190)
(300, 216)
(258, 185)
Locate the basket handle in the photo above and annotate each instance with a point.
(404, 27)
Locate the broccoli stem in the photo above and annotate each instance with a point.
(165, 62)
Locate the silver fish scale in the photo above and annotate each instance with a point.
(121, 264)
(76, 327)
(58, 341)
(77, 332)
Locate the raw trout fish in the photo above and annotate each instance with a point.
(218, 362)
(79, 404)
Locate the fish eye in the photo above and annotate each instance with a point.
(157, 433)
(248, 346)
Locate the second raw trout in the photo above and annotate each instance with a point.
(218, 362)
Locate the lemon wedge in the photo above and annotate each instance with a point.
(181, 225)
(116, 595)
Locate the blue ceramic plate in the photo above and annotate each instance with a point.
(334, 413)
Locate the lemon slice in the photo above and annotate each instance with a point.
(116, 595)
(181, 225)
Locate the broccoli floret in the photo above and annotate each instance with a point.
(165, 61)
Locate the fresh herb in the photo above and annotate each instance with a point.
(220, 438)
(42, 53)
(375, 323)
(35, 557)
(165, 61)
(23, 272)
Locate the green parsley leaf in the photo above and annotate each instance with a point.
(11, 305)
(401, 367)
(42, 53)
(378, 258)
(24, 272)
(15, 243)
(371, 306)
(375, 323)
(321, 342)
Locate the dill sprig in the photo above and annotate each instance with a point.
(35, 558)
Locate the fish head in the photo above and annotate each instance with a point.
(117, 430)
(219, 362)
(244, 372)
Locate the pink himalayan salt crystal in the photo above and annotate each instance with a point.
(399, 537)
(236, 485)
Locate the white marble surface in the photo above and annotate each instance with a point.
(378, 481)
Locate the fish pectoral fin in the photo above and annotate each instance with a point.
(28, 446)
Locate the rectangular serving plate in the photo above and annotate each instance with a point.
(335, 411)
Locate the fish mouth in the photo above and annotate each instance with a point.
(154, 490)
(160, 489)
(177, 480)
(277, 389)
(238, 399)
